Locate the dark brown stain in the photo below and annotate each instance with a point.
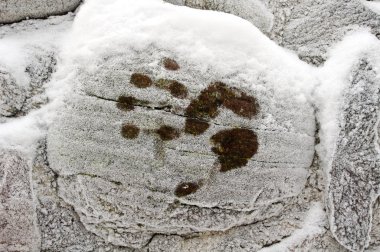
(186, 188)
(126, 103)
(171, 64)
(217, 94)
(234, 147)
(178, 90)
(130, 131)
(175, 88)
(195, 126)
(167, 133)
(245, 106)
(141, 80)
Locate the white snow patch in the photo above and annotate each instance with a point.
(334, 79)
(374, 5)
(204, 38)
(23, 133)
(313, 225)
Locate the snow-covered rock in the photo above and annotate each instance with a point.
(355, 168)
(17, 10)
(157, 138)
(254, 11)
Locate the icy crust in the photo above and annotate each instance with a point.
(18, 223)
(17, 10)
(126, 159)
(355, 167)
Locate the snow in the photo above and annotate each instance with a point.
(374, 6)
(227, 43)
(334, 78)
(15, 45)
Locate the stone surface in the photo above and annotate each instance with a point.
(354, 183)
(254, 11)
(229, 151)
(16, 98)
(18, 225)
(307, 27)
(17, 10)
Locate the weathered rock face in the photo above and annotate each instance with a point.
(254, 11)
(17, 98)
(354, 183)
(307, 27)
(18, 225)
(195, 150)
(16, 10)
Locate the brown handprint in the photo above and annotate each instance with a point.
(234, 147)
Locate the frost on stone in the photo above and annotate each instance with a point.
(313, 26)
(12, 96)
(18, 227)
(355, 167)
(17, 10)
(254, 11)
(145, 145)
(17, 98)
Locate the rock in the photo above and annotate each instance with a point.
(355, 167)
(314, 26)
(18, 224)
(17, 10)
(254, 11)
(307, 27)
(12, 95)
(16, 98)
(142, 148)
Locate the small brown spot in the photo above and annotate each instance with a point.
(186, 188)
(244, 105)
(234, 147)
(167, 133)
(171, 64)
(178, 90)
(126, 103)
(130, 131)
(141, 80)
(163, 83)
(196, 127)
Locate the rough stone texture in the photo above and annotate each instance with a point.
(17, 10)
(12, 96)
(17, 99)
(314, 26)
(253, 11)
(308, 27)
(18, 227)
(355, 168)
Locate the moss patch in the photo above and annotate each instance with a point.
(130, 131)
(186, 188)
(234, 147)
(141, 80)
(170, 64)
(195, 126)
(167, 133)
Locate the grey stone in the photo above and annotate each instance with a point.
(124, 190)
(18, 225)
(17, 10)
(254, 11)
(355, 168)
